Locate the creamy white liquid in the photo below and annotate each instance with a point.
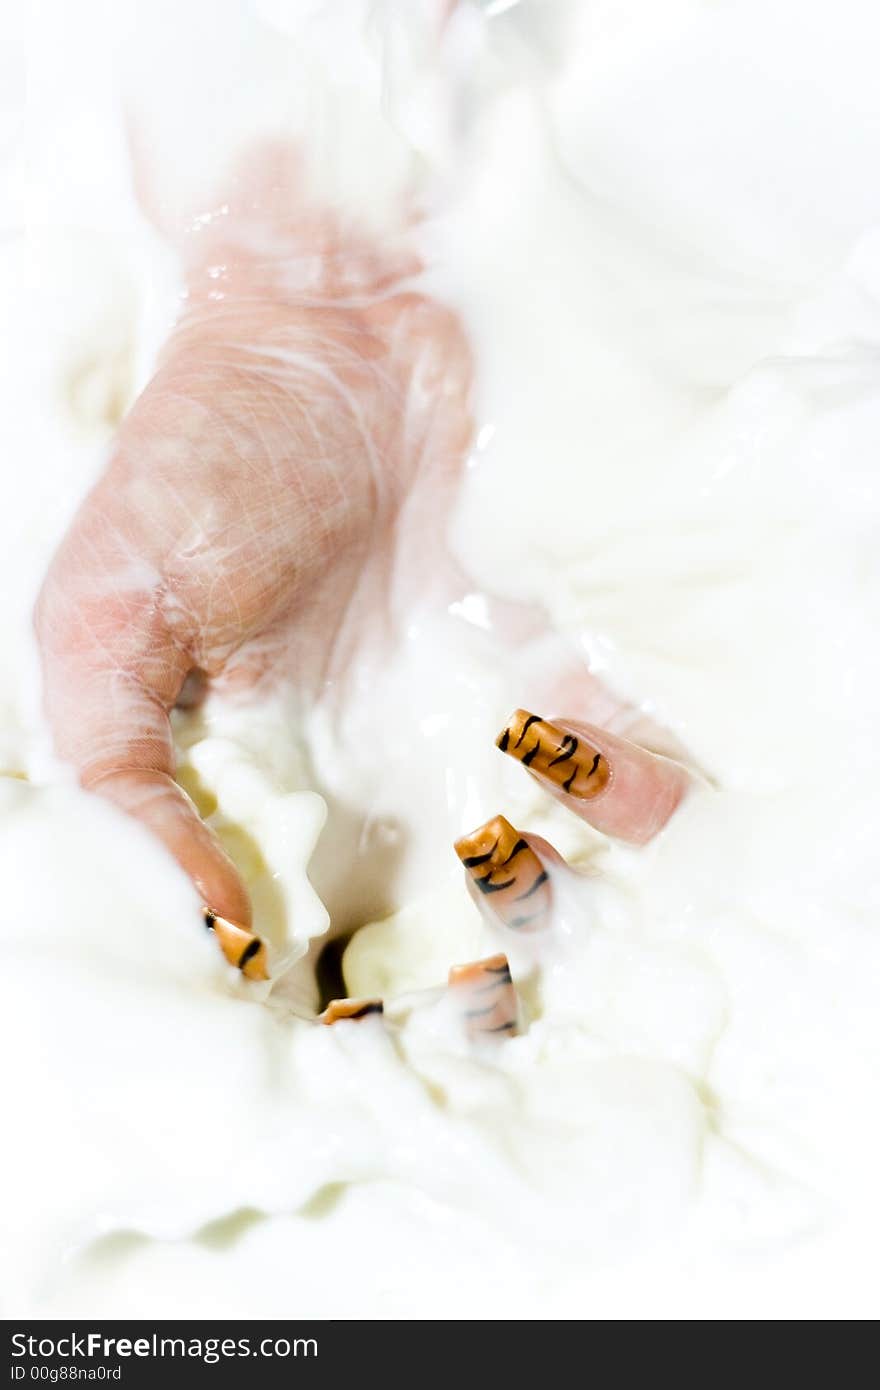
(660, 229)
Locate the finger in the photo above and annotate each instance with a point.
(486, 998)
(613, 784)
(112, 672)
(351, 1010)
(154, 798)
(507, 874)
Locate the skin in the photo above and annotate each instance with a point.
(276, 491)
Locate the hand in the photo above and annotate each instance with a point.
(265, 505)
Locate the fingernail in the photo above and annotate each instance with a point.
(486, 996)
(509, 873)
(241, 947)
(559, 758)
(353, 1009)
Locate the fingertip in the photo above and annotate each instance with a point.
(155, 799)
(241, 947)
(614, 785)
(643, 792)
(506, 876)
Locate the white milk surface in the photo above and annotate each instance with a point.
(662, 227)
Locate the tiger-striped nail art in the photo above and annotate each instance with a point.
(240, 946)
(563, 759)
(485, 992)
(352, 1009)
(509, 873)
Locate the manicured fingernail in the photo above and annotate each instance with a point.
(354, 1009)
(564, 760)
(509, 873)
(485, 993)
(240, 946)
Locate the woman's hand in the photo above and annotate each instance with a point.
(279, 490)
(249, 513)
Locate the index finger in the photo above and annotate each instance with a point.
(616, 786)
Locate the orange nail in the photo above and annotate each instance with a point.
(486, 995)
(508, 872)
(353, 1009)
(241, 947)
(565, 761)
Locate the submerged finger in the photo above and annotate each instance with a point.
(486, 997)
(509, 876)
(350, 1010)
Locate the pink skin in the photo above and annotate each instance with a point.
(644, 791)
(266, 504)
(550, 859)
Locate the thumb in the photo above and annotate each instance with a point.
(112, 673)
